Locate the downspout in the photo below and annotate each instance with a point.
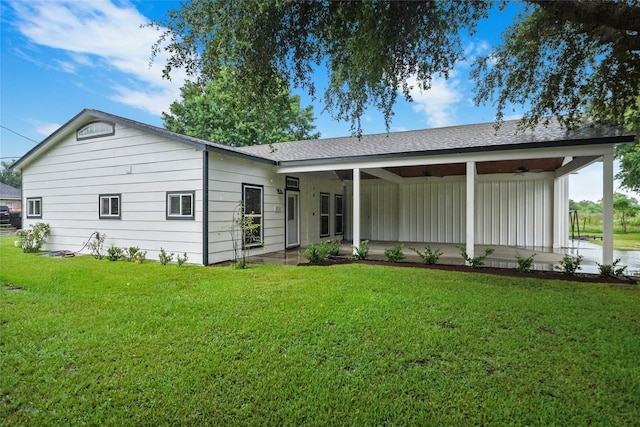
(205, 207)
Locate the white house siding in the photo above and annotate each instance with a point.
(139, 166)
(227, 174)
(510, 210)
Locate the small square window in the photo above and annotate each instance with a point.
(180, 205)
(34, 207)
(110, 206)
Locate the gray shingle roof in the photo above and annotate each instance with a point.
(9, 192)
(454, 139)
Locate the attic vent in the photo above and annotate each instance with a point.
(95, 130)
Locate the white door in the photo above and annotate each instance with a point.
(293, 219)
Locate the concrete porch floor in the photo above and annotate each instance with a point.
(503, 256)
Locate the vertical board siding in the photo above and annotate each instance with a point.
(138, 166)
(515, 213)
(510, 211)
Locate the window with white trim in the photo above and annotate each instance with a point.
(252, 199)
(324, 214)
(339, 214)
(34, 207)
(95, 130)
(110, 206)
(180, 205)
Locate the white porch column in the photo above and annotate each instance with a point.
(560, 212)
(607, 209)
(471, 208)
(356, 209)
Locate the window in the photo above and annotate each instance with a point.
(292, 183)
(34, 207)
(252, 201)
(180, 205)
(339, 214)
(324, 214)
(95, 130)
(110, 206)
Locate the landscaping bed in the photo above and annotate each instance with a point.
(509, 272)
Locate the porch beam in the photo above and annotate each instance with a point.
(356, 209)
(471, 208)
(409, 159)
(385, 174)
(574, 165)
(607, 209)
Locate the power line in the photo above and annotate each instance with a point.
(19, 134)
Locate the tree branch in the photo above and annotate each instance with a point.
(616, 15)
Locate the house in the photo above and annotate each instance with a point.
(10, 196)
(145, 186)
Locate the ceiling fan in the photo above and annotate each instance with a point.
(522, 169)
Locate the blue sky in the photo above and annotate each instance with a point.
(58, 57)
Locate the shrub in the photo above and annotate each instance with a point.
(96, 246)
(316, 252)
(394, 254)
(130, 253)
(475, 261)
(140, 257)
(31, 240)
(182, 259)
(115, 253)
(429, 256)
(611, 270)
(524, 264)
(569, 264)
(361, 252)
(333, 247)
(164, 257)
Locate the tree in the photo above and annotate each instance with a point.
(625, 207)
(219, 111)
(565, 58)
(629, 154)
(9, 177)
(371, 48)
(560, 57)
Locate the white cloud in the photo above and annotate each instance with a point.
(42, 128)
(101, 34)
(438, 103)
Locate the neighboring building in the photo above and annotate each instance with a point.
(145, 186)
(10, 196)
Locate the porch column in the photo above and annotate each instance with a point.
(560, 212)
(471, 208)
(356, 209)
(607, 209)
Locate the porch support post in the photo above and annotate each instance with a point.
(471, 208)
(560, 212)
(607, 209)
(356, 209)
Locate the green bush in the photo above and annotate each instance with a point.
(115, 253)
(164, 257)
(316, 252)
(611, 270)
(181, 259)
(394, 254)
(361, 252)
(475, 261)
(524, 264)
(429, 256)
(333, 247)
(31, 240)
(569, 264)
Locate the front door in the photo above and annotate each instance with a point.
(293, 218)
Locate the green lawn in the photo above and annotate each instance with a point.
(102, 343)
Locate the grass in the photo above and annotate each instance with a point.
(115, 343)
(591, 225)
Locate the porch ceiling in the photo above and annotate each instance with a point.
(456, 169)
